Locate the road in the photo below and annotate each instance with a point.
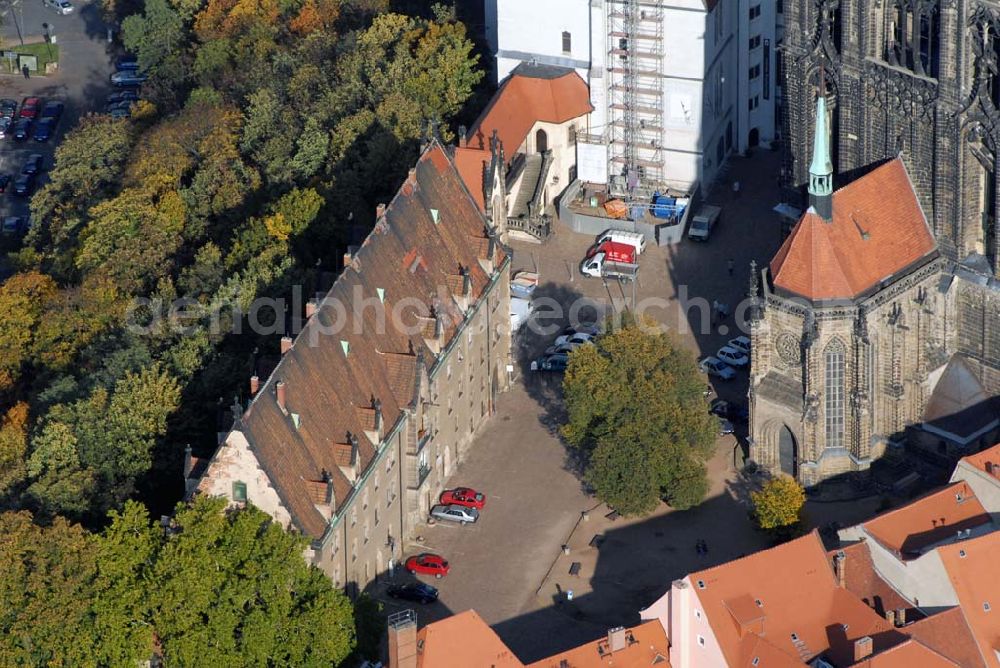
(81, 81)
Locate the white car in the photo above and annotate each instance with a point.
(732, 357)
(741, 343)
(61, 6)
(714, 367)
(577, 338)
(455, 513)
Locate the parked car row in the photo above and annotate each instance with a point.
(736, 353)
(556, 356)
(34, 120)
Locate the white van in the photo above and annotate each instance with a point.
(635, 239)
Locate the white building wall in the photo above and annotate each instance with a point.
(692, 641)
(922, 581)
(756, 101)
(533, 30)
(985, 486)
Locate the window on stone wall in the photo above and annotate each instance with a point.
(834, 358)
(239, 492)
(912, 39)
(567, 42)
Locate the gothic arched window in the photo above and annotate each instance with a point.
(834, 394)
(913, 36)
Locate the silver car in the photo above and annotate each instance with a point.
(455, 513)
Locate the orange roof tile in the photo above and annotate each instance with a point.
(929, 520)
(798, 595)
(909, 654)
(462, 640)
(972, 569)
(861, 579)
(530, 94)
(949, 634)
(647, 645)
(989, 455)
(471, 163)
(878, 229)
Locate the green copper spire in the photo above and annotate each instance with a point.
(821, 169)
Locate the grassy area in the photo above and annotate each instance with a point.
(46, 53)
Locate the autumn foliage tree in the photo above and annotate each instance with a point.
(637, 417)
(777, 507)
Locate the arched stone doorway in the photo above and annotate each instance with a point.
(753, 139)
(787, 451)
(541, 141)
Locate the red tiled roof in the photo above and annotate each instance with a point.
(909, 654)
(928, 520)
(329, 377)
(523, 100)
(471, 163)
(462, 640)
(798, 595)
(948, 633)
(989, 455)
(972, 569)
(861, 579)
(878, 230)
(646, 645)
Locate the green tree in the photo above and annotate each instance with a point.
(778, 505)
(637, 416)
(233, 589)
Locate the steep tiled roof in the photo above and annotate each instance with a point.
(470, 163)
(861, 579)
(928, 520)
(646, 645)
(463, 640)
(948, 633)
(878, 230)
(429, 229)
(908, 654)
(530, 94)
(972, 569)
(980, 459)
(799, 602)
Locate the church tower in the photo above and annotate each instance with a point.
(821, 169)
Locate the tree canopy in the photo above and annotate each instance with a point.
(219, 588)
(778, 505)
(638, 418)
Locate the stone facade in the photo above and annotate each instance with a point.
(914, 79)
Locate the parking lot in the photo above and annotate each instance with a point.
(81, 82)
(510, 566)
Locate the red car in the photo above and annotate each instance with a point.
(428, 564)
(30, 106)
(463, 496)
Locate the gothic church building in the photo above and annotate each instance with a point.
(878, 322)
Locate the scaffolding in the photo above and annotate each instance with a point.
(635, 96)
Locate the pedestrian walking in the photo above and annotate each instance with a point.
(25, 71)
(736, 189)
(730, 264)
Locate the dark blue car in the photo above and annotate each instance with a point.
(44, 129)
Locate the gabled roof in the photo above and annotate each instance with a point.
(929, 520)
(877, 230)
(462, 640)
(948, 633)
(471, 164)
(862, 580)
(646, 645)
(908, 654)
(530, 94)
(797, 594)
(429, 230)
(980, 459)
(959, 403)
(972, 568)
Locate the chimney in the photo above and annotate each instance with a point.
(279, 395)
(901, 617)
(188, 464)
(463, 141)
(438, 326)
(254, 385)
(328, 479)
(890, 616)
(989, 468)
(286, 344)
(403, 639)
(377, 405)
(840, 568)
(311, 307)
(616, 639)
(379, 211)
(466, 281)
(862, 648)
(491, 250)
(411, 176)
